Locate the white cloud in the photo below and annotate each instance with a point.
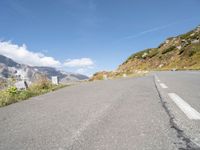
(81, 70)
(79, 63)
(151, 30)
(22, 55)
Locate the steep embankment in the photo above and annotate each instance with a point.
(181, 52)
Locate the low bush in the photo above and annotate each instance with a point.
(186, 35)
(153, 53)
(138, 55)
(168, 49)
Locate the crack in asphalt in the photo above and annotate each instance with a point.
(189, 145)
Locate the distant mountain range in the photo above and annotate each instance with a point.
(175, 53)
(12, 69)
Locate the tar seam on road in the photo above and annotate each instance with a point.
(180, 134)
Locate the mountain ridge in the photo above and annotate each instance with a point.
(12, 69)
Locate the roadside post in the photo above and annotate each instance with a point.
(55, 80)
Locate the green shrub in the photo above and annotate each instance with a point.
(25, 94)
(186, 35)
(139, 54)
(12, 90)
(12, 94)
(153, 53)
(168, 49)
(7, 98)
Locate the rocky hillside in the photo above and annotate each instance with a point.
(11, 69)
(181, 53)
(175, 53)
(14, 70)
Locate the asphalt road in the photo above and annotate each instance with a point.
(185, 85)
(124, 114)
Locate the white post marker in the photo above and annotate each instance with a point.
(124, 75)
(55, 80)
(190, 112)
(163, 86)
(105, 77)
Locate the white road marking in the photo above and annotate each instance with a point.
(190, 112)
(163, 86)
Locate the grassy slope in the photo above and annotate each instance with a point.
(179, 52)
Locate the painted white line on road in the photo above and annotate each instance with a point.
(190, 112)
(163, 86)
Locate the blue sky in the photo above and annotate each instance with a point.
(89, 35)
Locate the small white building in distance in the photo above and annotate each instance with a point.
(55, 80)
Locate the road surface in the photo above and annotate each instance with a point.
(125, 114)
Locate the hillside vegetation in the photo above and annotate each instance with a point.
(175, 53)
(181, 53)
(12, 94)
